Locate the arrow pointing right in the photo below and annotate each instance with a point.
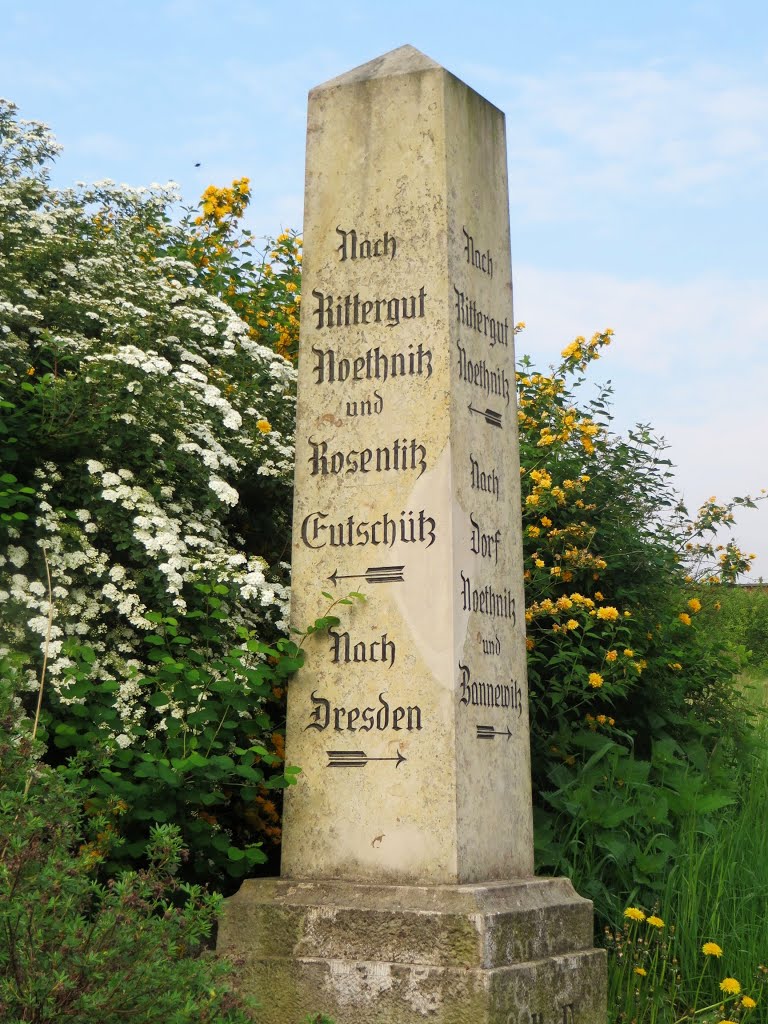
(487, 732)
(357, 759)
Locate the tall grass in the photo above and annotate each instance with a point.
(716, 892)
(743, 622)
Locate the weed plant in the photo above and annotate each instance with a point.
(648, 983)
(74, 950)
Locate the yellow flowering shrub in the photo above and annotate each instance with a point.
(262, 286)
(624, 676)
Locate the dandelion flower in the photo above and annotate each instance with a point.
(730, 986)
(264, 426)
(748, 1003)
(655, 922)
(711, 949)
(634, 914)
(641, 971)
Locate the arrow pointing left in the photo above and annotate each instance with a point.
(374, 574)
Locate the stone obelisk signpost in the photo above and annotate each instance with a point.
(406, 892)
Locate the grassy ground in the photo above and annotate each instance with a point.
(716, 892)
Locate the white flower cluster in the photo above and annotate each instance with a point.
(146, 390)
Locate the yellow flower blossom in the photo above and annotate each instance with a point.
(572, 624)
(655, 922)
(628, 652)
(611, 656)
(641, 971)
(595, 680)
(609, 613)
(573, 349)
(730, 986)
(634, 914)
(685, 618)
(711, 949)
(694, 604)
(748, 1003)
(264, 426)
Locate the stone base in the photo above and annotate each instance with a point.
(501, 953)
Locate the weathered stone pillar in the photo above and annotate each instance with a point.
(406, 892)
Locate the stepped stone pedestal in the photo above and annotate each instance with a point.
(407, 892)
(502, 953)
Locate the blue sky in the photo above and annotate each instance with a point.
(638, 156)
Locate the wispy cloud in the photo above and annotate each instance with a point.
(680, 132)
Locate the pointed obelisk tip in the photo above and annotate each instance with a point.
(404, 60)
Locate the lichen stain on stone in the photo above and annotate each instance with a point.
(422, 993)
(352, 982)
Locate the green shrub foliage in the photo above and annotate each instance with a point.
(75, 950)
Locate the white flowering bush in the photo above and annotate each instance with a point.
(146, 458)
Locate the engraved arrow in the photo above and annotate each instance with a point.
(487, 732)
(357, 759)
(375, 574)
(493, 419)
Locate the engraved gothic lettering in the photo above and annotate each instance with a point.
(409, 527)
(373, 364)
(346, 651)
(366, 248)
(400, 456)
(351, 310)
(380, 717)
(481, 260)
